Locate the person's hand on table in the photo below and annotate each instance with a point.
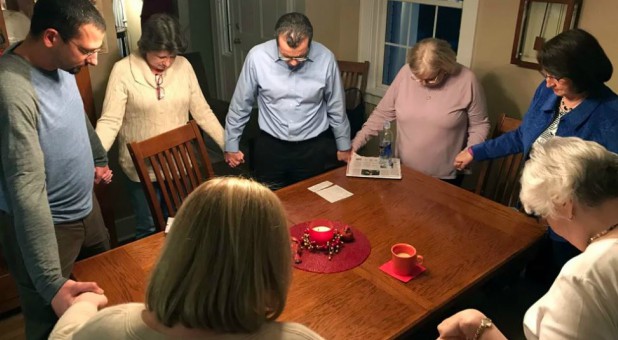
(462, 325)
(69, 291)
(233, 159)
(102, 173)
(465, 325)
(344, 156)
(463, 159)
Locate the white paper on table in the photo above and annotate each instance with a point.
(334, 193)
(168, 226)
(320, 186)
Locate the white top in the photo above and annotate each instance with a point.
(583, 301)
(82, 321)
(132, 111)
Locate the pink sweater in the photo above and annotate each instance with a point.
(433, 124)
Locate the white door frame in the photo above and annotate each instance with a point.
(225, 65)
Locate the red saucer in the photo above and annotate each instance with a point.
(388, 269)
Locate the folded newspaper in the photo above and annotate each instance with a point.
(369, 167)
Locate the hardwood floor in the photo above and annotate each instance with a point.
(12, 326)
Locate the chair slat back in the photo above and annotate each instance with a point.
(354, 74)
(499, 178)
(178, 170)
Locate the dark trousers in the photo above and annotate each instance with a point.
(454, 181)
(76, 240)
(554, 252)
(279, 163)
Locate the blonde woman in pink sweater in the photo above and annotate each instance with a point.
(439, 107)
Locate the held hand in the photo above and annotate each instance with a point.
(462, 325)
(68, 293)
(344, 156)
(102, 173)
(463, 159)
(99, 300)
(233, 159)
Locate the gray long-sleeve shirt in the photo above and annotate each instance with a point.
(47, 168)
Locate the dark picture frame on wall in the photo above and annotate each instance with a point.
(539, 21)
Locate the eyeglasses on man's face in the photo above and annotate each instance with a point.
(298, 59)
(85, 52)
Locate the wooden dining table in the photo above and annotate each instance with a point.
(464, 238)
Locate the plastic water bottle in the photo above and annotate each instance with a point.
(386, 149)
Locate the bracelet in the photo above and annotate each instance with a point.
(470, 151)
(485, 324)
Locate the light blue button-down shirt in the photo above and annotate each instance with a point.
(294, 105)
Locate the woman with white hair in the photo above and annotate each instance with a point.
(573, 184)
(439, 107)
(224, 273)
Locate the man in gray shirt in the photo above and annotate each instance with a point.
(48, 214)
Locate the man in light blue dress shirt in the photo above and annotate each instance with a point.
(301, 107)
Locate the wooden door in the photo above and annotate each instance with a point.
(240, 25)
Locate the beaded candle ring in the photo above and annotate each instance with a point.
(315, 242)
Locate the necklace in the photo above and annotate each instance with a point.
(602, 233)
(563, 108)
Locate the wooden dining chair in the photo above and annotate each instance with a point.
(354, 78)
(499, 178)
(354, 74)
(180, 163)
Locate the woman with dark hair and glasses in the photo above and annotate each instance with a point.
(439, 107)
(149, 93)
(572, 100)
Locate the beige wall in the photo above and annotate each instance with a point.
(509, 88)
(335, 24)
(133, 11)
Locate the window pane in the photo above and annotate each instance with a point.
(395, 30)
(426, 18)
(394, 58)
(393, 22)
(408, 22)
(449, 20)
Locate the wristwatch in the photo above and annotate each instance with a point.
(485, 323)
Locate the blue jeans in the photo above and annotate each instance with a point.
(144, 225)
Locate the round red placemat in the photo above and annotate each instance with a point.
(351, 255)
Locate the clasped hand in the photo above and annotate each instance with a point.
(233, 159)
(102, 173)
(463, 159)
(71, 292)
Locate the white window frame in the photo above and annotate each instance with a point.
(372, 27)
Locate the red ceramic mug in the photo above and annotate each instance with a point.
(405, 259)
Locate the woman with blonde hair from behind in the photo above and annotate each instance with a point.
(224, 273)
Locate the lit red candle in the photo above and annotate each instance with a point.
(321, 234)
